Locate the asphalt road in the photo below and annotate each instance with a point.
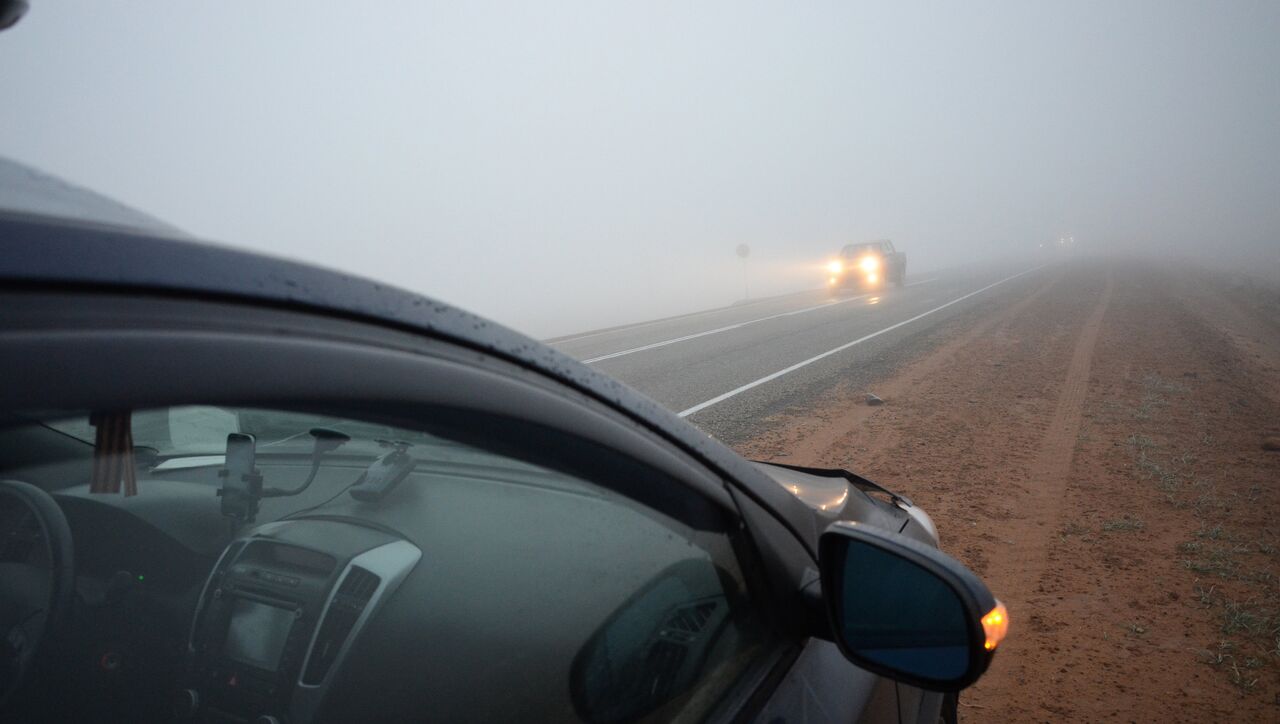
(727, 369)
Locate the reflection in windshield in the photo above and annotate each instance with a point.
(307, 461)
(202, 430)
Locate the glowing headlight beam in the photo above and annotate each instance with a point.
(835, 266)
(869, 263)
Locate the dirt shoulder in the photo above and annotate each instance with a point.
(1096, 451)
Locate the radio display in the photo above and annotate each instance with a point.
(257, 633)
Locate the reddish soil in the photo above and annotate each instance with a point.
(1095, 451)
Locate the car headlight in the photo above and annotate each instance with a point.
(835, 266)
(869, 263)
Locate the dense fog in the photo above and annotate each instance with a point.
(571, 165)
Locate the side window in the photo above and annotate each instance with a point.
(578, 604)
(559, 581)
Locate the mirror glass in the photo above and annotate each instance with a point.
(900, 615)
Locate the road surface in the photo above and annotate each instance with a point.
(726, 368)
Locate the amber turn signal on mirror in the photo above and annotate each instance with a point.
(995, 625)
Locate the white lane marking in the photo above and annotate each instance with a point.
(718, 330)
(677, 318)
(769, 378)
(726, 328)
(641, 325)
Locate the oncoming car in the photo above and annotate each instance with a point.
(868, 265)
(240, 489)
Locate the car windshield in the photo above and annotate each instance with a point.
(854, 250)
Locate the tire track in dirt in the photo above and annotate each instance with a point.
(1050, 471)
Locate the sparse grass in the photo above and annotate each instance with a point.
(1209, 503)
(1219, 656)
(1214, 533)
(1141, 443)
(1154, 391)
(1153, 382)
(1224, 658)
(1217, 560)
(1206, 566)
(1168, 475)
(1245, 682)
(1242, 617)
(1205, 595)
(1123, 524)
(1234, 563)
(1150, 404)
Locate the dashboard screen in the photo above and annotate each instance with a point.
(302, 558)
(257, 633)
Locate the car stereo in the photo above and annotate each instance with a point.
(275, 618)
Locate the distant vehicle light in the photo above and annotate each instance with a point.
(835, 266)
(869, 264)
(995, 625)
(832, 281)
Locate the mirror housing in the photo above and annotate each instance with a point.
(11, 11)
(921, 618)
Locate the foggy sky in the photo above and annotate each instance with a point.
(572, 165)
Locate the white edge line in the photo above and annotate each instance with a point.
(679, 317)
(729, 327)
(639, 325)
(769, 378)
(718, 330)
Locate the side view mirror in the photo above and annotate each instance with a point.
(906, 610)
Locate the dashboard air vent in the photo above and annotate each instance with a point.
(353, 594)
(199, 623)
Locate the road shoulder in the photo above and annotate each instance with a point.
(1098, 457)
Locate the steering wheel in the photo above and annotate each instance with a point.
(37, 577)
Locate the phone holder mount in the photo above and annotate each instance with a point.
(241, 481)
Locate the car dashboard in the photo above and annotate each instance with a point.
(167, 628)
(278, 615)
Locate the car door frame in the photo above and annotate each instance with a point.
(112, 349)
